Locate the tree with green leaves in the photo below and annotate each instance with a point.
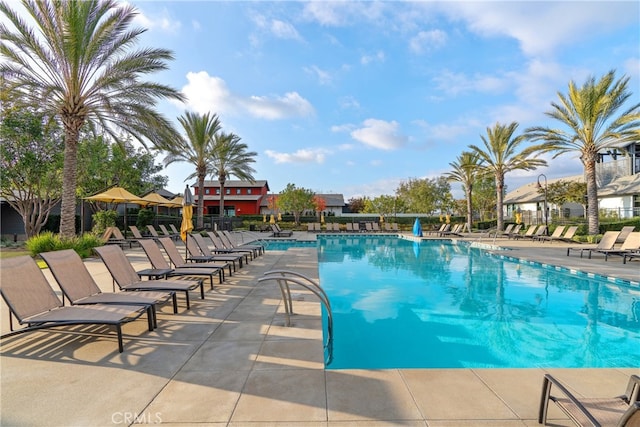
(382, 205)
(231, 158)
(196, 148)
(356, 204)
(31, 161)
(466, 171)
(564, 191)
(594, 120)
(295, 200)
(501, 154)
(79, 63)
(425, 195)
(484, 196)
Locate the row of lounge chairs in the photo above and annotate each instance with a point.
(353, 227)
(34, 303)
(628, 249)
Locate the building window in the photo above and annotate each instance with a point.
(238, 191)
(228, 191)
(206, 191)
(217, 191)
(248, 191)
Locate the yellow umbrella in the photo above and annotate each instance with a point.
(272, 220)
(118, 195)
(279, 216)
(156, 199)
(187, 214)
(264, 217)
(381, 218)
(322, 217)
(448, 220)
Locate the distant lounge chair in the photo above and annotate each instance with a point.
(225, 236)
(453, 232)
(394, 226)
(515, 231)
(222, 245)
(174, 230)
(607, 242)
(138, 235)
(568, 235)
(630, 256)
(127, 279)
(349, 226)
(506, 231)
(160, 263)
(557, 233)
(529, 233)
(616, 411)
(167, 233)
(375, 227)
(33, 302)
(179, 262)
(630, 245)
(443, 228)
(200, 252)
(278, 232)
(113, 236)
(310, 227)
(624, 232)
(79, 288)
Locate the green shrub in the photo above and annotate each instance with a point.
(48, 242)
(145, 217)
(102, 220)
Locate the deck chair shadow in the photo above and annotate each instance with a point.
(622, 410)
(33, 302)
(607, 242)
(178, 261)
(79, 287)
(127, 279)
(158, 261)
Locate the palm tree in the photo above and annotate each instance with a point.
(230, 157)
(466, 170)
(590, 113)
(500, 156)
(79, 64)
(197, 149)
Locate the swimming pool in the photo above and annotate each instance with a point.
(439, 304)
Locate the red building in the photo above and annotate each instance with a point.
(240, 197)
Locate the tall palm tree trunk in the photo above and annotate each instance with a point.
(222, 180)
(469, 208)
(592, 196)
(69, 179)
(499, 201)
(200, 210)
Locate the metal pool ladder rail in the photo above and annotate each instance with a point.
(285, 278)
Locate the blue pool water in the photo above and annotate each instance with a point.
(438, 304)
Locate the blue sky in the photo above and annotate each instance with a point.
(355, 97)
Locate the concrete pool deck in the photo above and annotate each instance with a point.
(229, 361)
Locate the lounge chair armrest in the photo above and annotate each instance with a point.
(546, 396)
(632, 393)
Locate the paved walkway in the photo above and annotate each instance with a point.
(229, 361)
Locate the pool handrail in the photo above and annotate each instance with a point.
(286, 277)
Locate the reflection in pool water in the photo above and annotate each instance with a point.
(438, 304)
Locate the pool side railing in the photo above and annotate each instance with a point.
(285, 278)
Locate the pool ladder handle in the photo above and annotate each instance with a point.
(286, 277)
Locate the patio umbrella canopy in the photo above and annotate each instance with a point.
(118, 195)
(187, 214)
(155, 199)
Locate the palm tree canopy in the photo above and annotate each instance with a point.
(230, 157)
(501, 151)
(79, 63)
(466, 169)
(589, 113)
(197, 147)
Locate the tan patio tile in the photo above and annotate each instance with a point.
(369, 395)
(290, 354)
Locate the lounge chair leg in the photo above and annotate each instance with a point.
(120, 345)
(175, 303)
(150, 318)
(186, 296)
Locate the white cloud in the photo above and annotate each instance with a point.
(342, 128)
(274, 27)
(209, 93)
(304, 155)
(162, 21)
(324, 77)
(377, 57)
(347, 102)
(459, 83)
(541, 26)
(380, 134)
(341, 13)
(427, 41)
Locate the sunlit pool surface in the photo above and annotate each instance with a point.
(283, 245)
(438, 304)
